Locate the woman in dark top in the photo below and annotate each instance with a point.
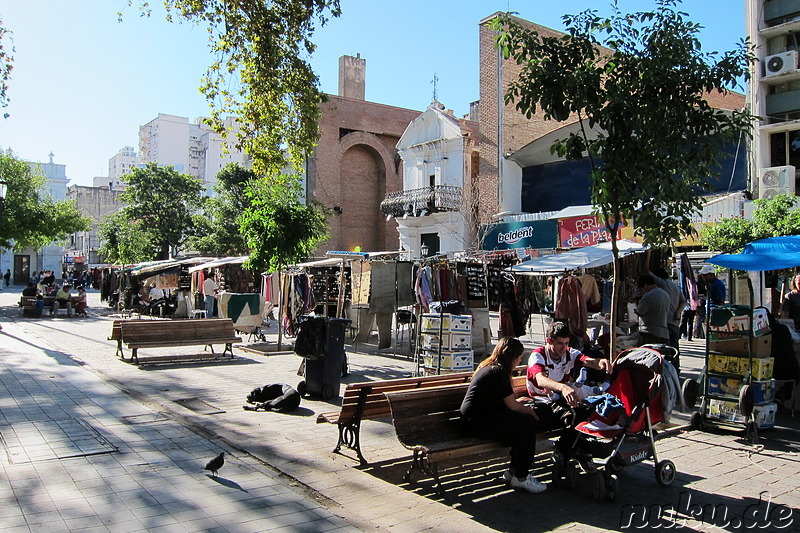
(490, 410)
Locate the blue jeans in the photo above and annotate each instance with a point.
(209, 306)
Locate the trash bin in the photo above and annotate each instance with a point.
(320, 341)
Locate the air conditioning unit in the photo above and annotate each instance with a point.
(780, 63)
(776, 180)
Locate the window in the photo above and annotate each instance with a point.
(432, 180)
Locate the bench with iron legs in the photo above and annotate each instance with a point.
(428, 422)
(138, 334)
(367, 401)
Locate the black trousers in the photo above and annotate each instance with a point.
(516, 429)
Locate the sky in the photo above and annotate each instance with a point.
(83, 82)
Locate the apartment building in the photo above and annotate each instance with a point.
(774, 95)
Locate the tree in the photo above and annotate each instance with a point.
(773, 217)
(655, 141)
(279, 229)
(162, 201)
(6, 64)
(29, 217)
(125, 241)
(218, 231)
(262, 74)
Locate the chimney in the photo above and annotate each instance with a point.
(352, 72)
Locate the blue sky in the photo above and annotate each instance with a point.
(83, 82)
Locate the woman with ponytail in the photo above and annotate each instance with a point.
(491, 411)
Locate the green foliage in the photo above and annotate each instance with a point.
(6, 64)
(279, 229)
(29, 217)
(772, 217)
(217, 231)
(125, 241)
(657, 142)
(160, 202)
(262, 74)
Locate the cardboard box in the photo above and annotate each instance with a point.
(452, 341)
(763, 415)
(739, 321)
(726, 364)
(760, 370)
(463, 361)
(452, 323)
(762, 346)
(763, 391)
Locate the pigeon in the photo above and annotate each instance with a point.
(215, 464)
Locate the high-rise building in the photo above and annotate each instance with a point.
(122, 162)
(192, 148)
(774, 95)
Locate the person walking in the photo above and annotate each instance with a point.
(7, 277)
(653, 309)
(210, 289)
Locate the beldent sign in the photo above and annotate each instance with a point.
(511, 235)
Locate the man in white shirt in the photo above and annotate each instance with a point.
(209, 291)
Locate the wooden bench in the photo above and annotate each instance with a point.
(367, 401)
(28, 303)
(428, 422)
(165, 333)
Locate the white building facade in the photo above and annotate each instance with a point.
(432, 210)
(774, 95)
(192, 148)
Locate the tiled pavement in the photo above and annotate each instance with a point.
(142, 464)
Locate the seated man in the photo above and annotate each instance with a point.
(30, 290)
(550, 373)
(63, 298)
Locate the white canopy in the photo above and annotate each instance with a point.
(219, 262)
(588, 257)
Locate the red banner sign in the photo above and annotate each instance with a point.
(577, 232)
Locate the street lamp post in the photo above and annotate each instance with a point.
(3, 189)
(423, 250)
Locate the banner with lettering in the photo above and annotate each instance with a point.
(588, 230)
(512, 235)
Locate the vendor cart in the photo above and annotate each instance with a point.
(736, 388)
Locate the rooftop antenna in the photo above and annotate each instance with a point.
(435, 82)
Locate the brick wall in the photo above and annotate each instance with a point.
(354, 166)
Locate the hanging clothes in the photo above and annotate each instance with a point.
(571, 306)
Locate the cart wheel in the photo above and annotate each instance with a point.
(697, 420)
(328, 392)
(665, 472)
(746, 400)
(571, 474)
(612, 487)
(599, 486)
(690, 390)
(301, 388)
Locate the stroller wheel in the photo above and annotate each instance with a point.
(599, 486)
(559, 470)
(612, 487)
(665, 472)
(571, 474)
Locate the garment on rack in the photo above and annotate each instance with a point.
(245, 310)
(383, 293)
(571, 306)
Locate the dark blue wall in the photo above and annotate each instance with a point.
(562, 184)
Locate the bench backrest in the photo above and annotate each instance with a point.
(372, 394)
(428, 415)
(177, 330)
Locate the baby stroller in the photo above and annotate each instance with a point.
(602, 445)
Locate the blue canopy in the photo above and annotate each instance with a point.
(773, 253)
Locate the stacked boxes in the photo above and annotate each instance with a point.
(450, 335)
(740, 343)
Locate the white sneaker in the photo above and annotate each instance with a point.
(507, 475)
(530, 483)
